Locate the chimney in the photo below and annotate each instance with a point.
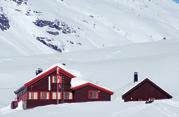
(63, 64)
(38, 71)
(135, 77)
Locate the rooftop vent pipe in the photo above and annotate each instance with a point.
(135, 77)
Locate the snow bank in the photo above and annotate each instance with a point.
(8, 110)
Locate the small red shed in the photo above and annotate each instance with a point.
(55, 86)
(145, 91)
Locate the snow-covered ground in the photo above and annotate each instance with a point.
(110, 67)
(113, 39)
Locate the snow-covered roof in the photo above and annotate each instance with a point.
(75, 73)
(70, 73)
(131, 86)
(78, 83)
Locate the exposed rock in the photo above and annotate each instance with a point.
(20, 2)
(60, 26)
(47, 41)
(4, 22)
(53, 33)
(42, 23)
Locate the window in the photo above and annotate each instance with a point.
(55, 79)
(93, 94)
(68, 95)
(54, 95)
(44, 95)
(33, 96)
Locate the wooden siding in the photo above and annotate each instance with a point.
(145, 92)
(42, 84)
(81, 95)
(34, 103)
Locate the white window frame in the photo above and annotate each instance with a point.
(59, 95)
(54, 95)
(32, 95)
(55, 81)
(68, 95)
(93, 94)
(44, 95)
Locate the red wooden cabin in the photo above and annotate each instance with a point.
(145, 91)
(54, 86)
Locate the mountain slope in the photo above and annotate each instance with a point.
(88, 24)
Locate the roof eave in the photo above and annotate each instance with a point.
(44, 74)
(93, 85)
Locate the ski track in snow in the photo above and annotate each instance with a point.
(166, 111)
(135, 109)
(19, 49)
(171, 103)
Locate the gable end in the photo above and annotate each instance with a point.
(142, 83)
